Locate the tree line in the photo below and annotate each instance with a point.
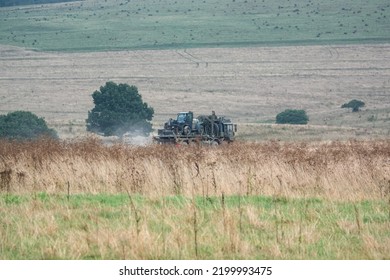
(5, 3)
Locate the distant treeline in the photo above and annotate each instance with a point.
(4, 3)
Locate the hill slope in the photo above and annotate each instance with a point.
(249, 85)
(95, 25)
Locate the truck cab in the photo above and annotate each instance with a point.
(183, 123)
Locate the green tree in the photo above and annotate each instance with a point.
(290, 116)
(119, 109)
(354, 104)
(24, 125)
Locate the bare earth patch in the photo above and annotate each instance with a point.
(250, 85)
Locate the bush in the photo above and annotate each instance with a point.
(354, 104)
(24, 125)
(290, 116)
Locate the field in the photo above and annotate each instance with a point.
(250, 85)
(83, 199)
(160, 24)
(316, 191)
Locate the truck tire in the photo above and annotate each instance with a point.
(186, 130)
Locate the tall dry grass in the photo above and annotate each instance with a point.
(351, 170)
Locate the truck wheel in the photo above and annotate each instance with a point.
(214, 143)
(186, 130)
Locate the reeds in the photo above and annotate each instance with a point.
(352, 170)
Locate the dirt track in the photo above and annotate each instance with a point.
(247, 84)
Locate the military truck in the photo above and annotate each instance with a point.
(204, 129)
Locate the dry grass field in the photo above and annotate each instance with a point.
(352, 170)
(87, 200)
(250, 85)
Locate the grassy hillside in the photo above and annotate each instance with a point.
(159, 24)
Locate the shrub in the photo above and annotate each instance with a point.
(354, 104)
(24, 125)
(290, 116)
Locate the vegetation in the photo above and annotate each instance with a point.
(290, 116)
(85, 200)
(354, 104)
(291, 169)
(161, 24)
(101, 226)
(24, 125)
(119, 109)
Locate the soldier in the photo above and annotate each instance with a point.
(213, 117)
